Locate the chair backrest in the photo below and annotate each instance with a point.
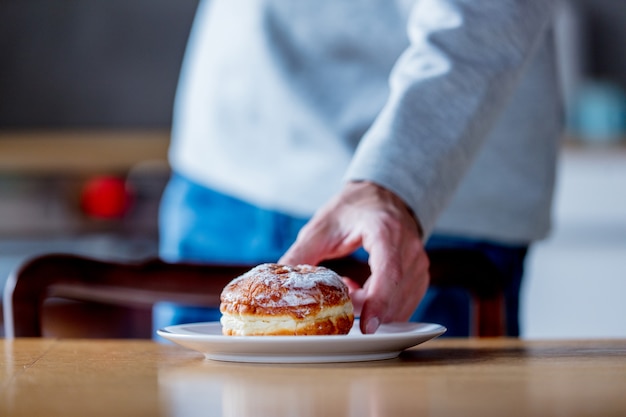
(129, 290)
(123, 286)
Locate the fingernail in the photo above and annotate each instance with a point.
(372, 325)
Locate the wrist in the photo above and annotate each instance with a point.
(367, 186)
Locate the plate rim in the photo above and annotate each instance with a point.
(379, 346)
(438, 328)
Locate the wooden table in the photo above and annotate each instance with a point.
(476, 377)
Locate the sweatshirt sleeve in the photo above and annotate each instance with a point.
(446, 91)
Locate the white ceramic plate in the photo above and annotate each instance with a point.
(386, 343)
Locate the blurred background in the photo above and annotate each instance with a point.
(86, 94)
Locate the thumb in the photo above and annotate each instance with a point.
(316, 242)
(309, 247)
(300, 253)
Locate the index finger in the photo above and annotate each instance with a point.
(383, 286)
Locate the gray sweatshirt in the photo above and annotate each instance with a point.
(451, 104)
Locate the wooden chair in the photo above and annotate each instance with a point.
(471, 270)
(61, 295)
(76, 296)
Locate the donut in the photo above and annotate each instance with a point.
(282, 300)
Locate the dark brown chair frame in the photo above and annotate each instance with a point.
(138, 286)
(123, 285)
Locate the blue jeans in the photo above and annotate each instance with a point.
(201, 225)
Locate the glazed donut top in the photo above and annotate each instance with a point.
(272, 289)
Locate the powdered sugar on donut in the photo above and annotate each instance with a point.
(287, 286)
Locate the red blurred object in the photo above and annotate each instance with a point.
(106, 197)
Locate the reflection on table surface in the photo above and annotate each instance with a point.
(440, 378)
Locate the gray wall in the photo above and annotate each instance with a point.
(604, 24)
(90, 62)
(116, 62)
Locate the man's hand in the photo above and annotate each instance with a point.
(365, 214)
